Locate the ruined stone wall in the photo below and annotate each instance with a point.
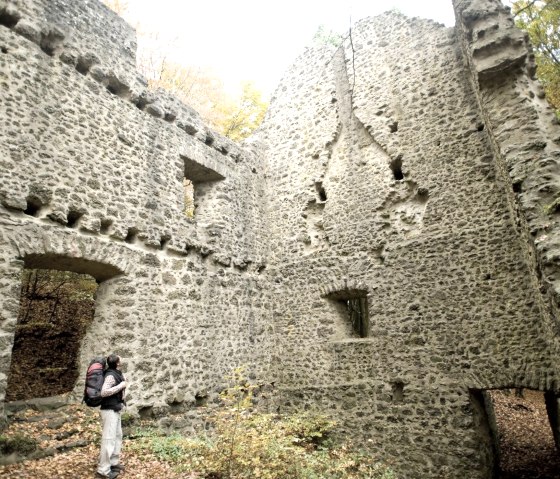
(525, 140)
(91, 180)
(384, 180)
(413, 169)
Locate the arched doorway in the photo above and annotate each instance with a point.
(57, 305)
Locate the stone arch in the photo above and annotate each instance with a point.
(33, 246)
(345, 287)
(100, 271)
(88, 254)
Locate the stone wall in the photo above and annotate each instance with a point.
(91, 180)
(409, 174)
(385, 179)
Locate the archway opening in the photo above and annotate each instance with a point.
(519, 426)
(56, 308)
(57, 305)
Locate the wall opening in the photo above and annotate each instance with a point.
(9, 18)
(397, 392)
(321, 193)
(396, 168)
(50, 42)
(516, 429)
(73, 217)
(56, 308)
(194, 177)
(57, 305)
(353, 307)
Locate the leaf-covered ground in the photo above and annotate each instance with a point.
(526, 442)
(71, 435)
(73, 432)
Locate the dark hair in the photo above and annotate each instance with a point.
(113, 361)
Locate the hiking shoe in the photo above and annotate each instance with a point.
(117, 468)
(111, 475)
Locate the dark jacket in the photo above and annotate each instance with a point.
(116, 401)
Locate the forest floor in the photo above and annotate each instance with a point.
(68, 438)
(527, 448)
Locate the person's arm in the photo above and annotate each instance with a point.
(109, 387)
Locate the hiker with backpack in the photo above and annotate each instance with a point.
(112, 405)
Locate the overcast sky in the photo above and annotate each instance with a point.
(255, 39)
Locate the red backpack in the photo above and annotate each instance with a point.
(94, 382)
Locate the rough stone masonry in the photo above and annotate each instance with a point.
(385, 249)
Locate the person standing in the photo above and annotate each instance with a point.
(112, 405)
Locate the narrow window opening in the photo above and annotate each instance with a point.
(357, 311)
(73, 218)
(198, 180)
(321, 191)
(517, 187)
(480, 127)
(131, 235)
(9, 18)
(396, 168)
(3, 49)
(394, 127)
(56, 309)
(397, 393)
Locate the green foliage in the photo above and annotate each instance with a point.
(552, 207)
(327, 37)
(127, 419)
(244, 116)
(541, 20)
(18, 443)
(246, 444)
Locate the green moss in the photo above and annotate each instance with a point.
(552, 207)
(18, 444)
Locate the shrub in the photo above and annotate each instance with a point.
(246, 444)
(18, 443)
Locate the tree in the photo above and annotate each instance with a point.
(198, 87)
(324, 36)
(541, 20)
(118, 6)
(244, 116)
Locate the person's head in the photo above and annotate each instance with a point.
(113, 361)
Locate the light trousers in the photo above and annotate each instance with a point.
(111, 441)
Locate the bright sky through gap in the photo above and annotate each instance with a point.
(258, 40)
